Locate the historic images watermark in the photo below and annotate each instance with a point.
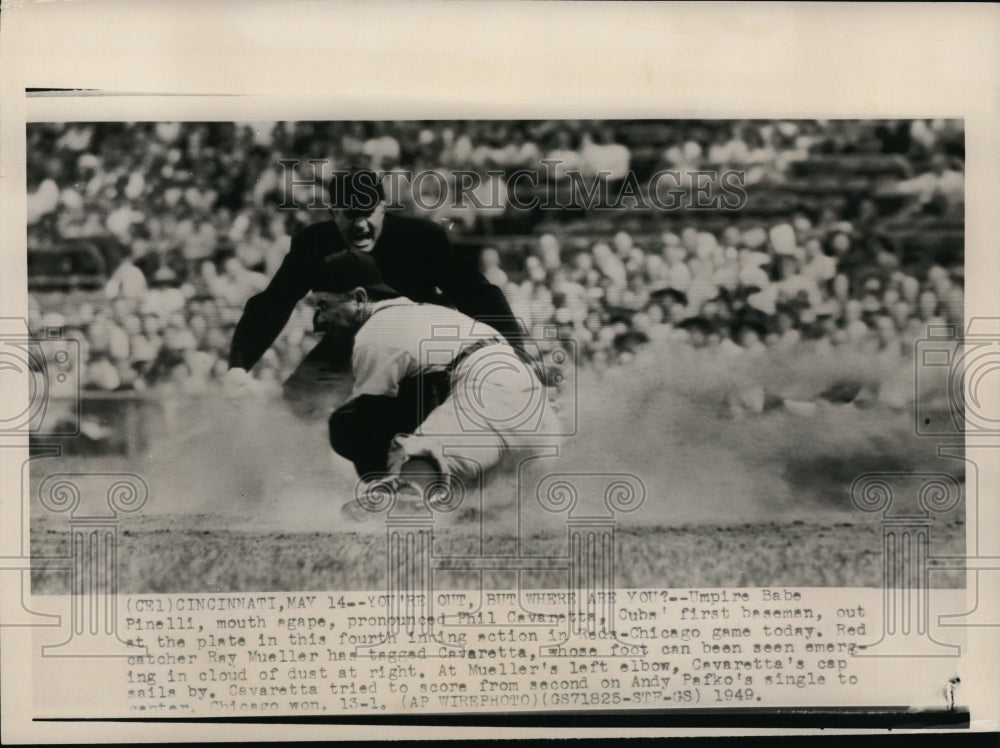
(957, 378)
(956, 395)
(41, 380)
(551, 187)
(94, 502)
(48, 363)
(45, 365)
(544, 361)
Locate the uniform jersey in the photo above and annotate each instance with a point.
(403, 339)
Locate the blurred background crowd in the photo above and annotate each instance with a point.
(146, 239)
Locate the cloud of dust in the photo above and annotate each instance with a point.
(250, 463)
(667, 420)
(664, 418)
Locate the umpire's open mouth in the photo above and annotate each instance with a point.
(361, 234)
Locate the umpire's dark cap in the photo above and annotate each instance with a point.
(356, 191)
(349, 269)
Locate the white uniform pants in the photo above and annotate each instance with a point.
(496, 405)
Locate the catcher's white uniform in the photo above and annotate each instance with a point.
(496, 402)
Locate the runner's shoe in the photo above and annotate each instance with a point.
(375, 497)
(445, 494)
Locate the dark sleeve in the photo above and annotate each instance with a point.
(469, 290)
(267, 313)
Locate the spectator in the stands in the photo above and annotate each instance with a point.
(887, 336)
(565, 157)
(684, 156)
(165, 295)
(854, 324)
(928, 307)
(101, 374)
(518, 153)
(601, 155)
(940, 188)
(489, 263)
(235, 284)
(126, 281)
(382, 149)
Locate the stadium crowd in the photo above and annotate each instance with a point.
(192, 214)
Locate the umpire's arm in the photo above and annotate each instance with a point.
(267, 313)
(469, 291)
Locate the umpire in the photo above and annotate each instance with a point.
(413, 255)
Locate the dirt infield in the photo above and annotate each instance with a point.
(195, 553)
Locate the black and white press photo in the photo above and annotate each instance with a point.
(727, 311)
(530, 380)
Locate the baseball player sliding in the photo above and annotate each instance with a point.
(496, 403)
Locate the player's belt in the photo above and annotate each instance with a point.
(470, 349)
